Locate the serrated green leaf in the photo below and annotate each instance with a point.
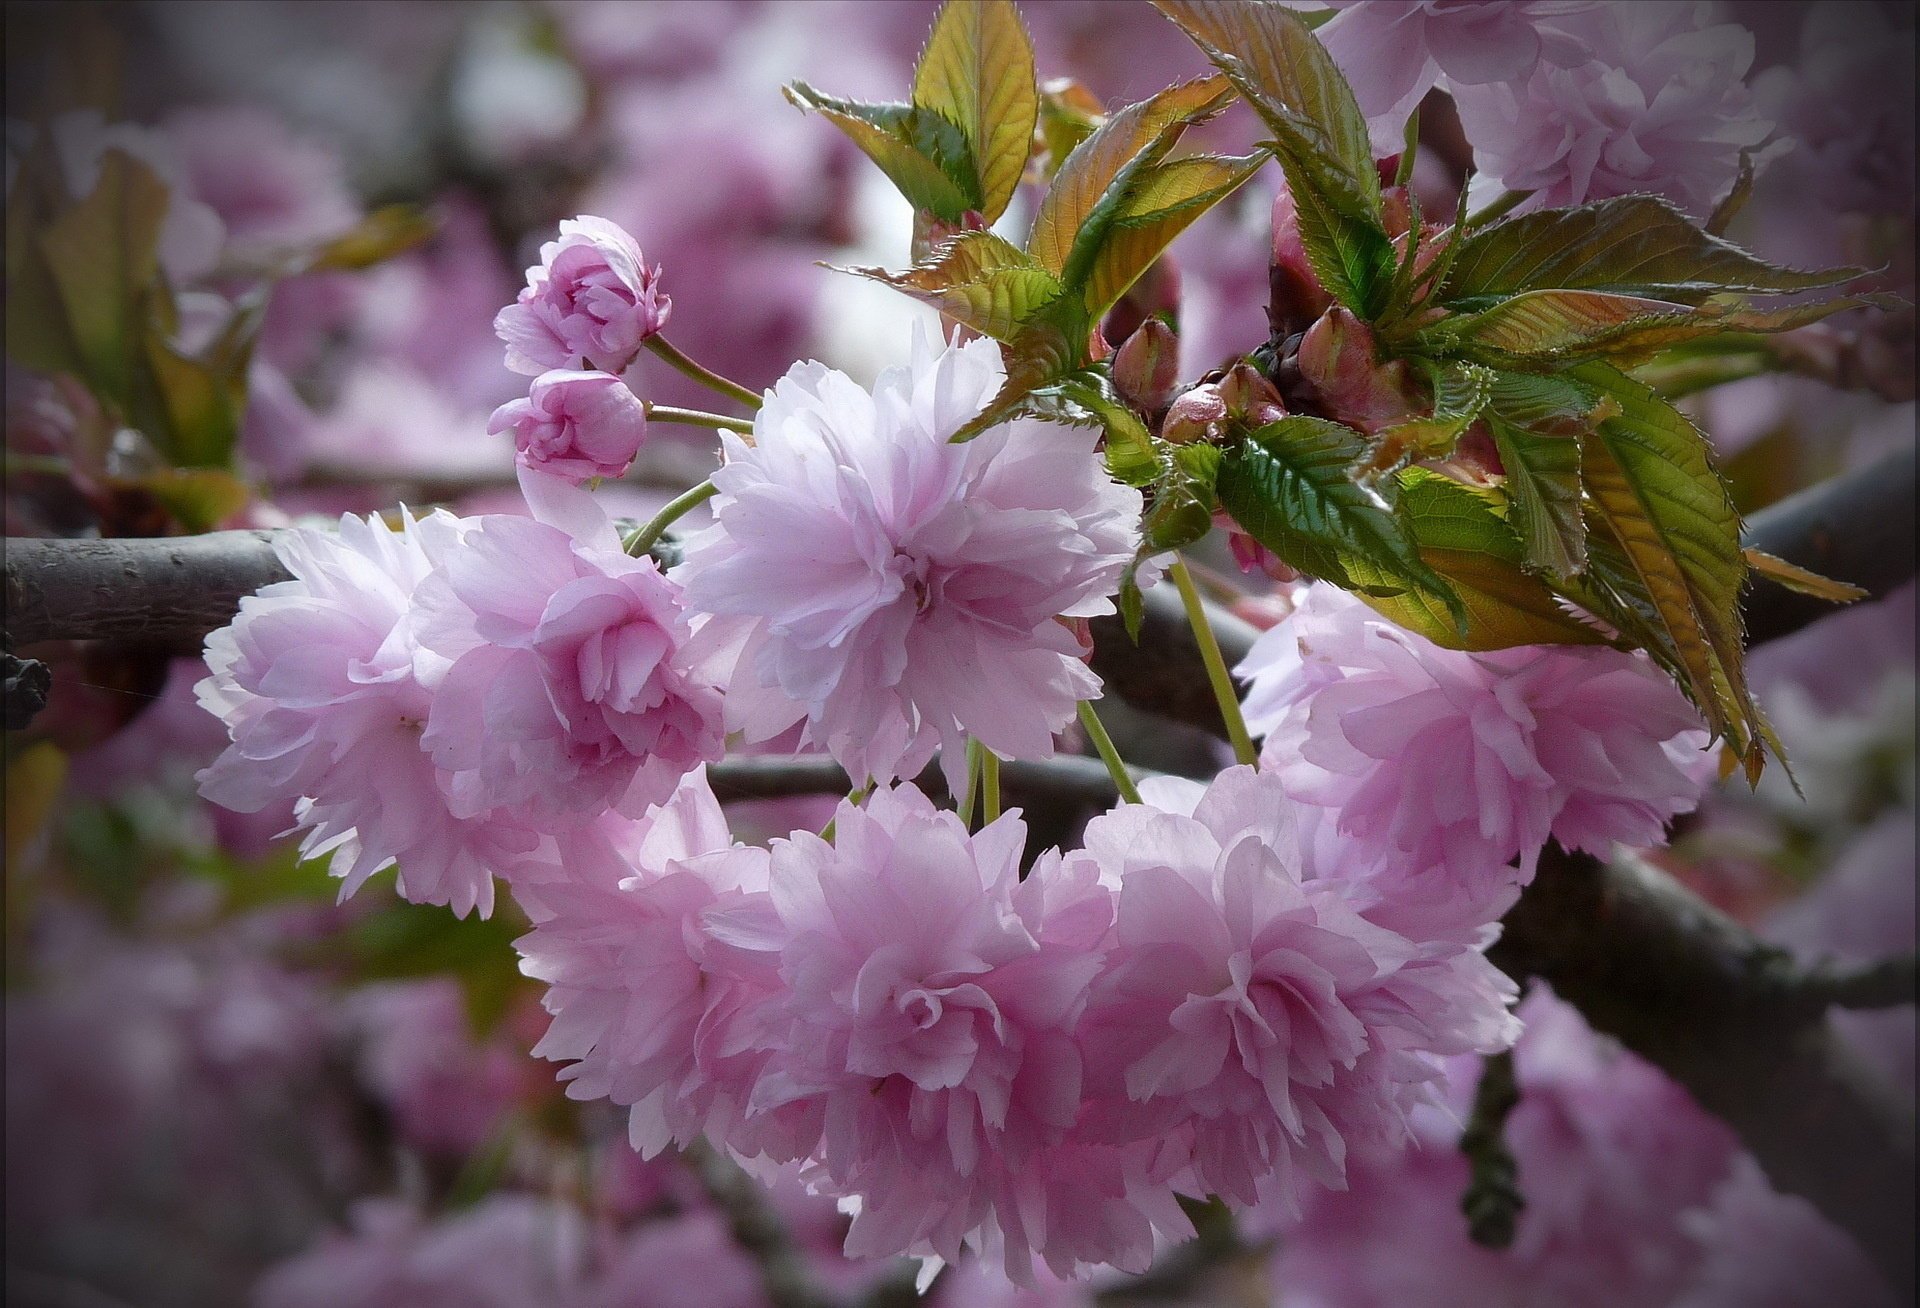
(1462, 536)
(1460, 392)
(1184, 501)
(1636, 245)
(977, 279)
(1288, 486)
(1543, 480)
(977, 72)
(1092, 186)
(1321, 139)
(1552, 325)
(103, 255)
(921, 153)
(1132, 604)
(1734, 200)
(1652, 488)
(1069, 114)
(1161, 203)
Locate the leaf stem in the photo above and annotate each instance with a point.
(642, 541)
(1116, 766)
(694, 418)
(989, 785)
(1505, 204)
(705, 376)
(1243, 750)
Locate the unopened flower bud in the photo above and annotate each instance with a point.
(1337, 359)
(1147, 367)
(1296, 296)
(590, 303)
(1195, 416)
(575, 425)
(1251, 398)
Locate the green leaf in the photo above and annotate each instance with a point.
(921, 153)
(1288, 486)
(1652, 489)
(200, 499)
(977, 279)
(1161, 203)
(1537, 422)
(38, 336)
(1538, 326)
(1734, 200)
(1092, 187)
(1069, 114)
(1184, 501)
(103, 256)
(1636, 245)
(412, 940)
(1460, 392)
(1462, 536)
(386, 232)
(977, 72)
(1321, 139)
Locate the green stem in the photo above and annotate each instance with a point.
(648, 536)
(1223, 692)
(989, 786)
(1503, 205)
(1102, 742)
(705, 376)
(973, 784)
(695, 418)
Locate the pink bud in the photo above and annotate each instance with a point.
(591, 302)
(1250, 397)
(575, 425)
(1147, 367)
(1195, 416)
(1337, 359)
(1297, 297)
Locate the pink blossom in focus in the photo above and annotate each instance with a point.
(1660, 106)
(591, 302)
(1452, 764)
(897, 591)
(1254, 1010)
(575, 425)
(926, 1016)
(326, 692)
(644, 1002)
(1394, 51)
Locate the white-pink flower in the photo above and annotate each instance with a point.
(644, 1001)
(894, 590)
(1445, 765)
(575, 425)
(1659, 106)
(925, 1020)
(326, 691)
(1394, 51)
(568, 690)
(591, 302)
(1254, 1013)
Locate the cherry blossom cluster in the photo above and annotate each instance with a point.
(1230, 990)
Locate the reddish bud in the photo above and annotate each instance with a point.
(1147, 367)
(1195, 416)
(1296, 296)
(1250, 397)
(1337, 359)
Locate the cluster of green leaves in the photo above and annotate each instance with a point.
(87, 297)
(1611, 522)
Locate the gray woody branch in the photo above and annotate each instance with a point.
(1644, 959)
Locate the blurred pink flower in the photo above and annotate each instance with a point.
(191, 234)
(575, 425)
(591, 302)
(325, 692)
(898, 591)
(1659, 106)
(567, 690)
(690, 1260)
(1394, 51)
(270, 187)
(645, 1003)
(448, 1092)
(1509, 747)
(1256, 1009)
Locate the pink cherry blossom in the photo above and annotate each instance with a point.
(326, 692)
(568, 690)
(1660, 106)
(925, 1020)
(1394, 51)
(575, 424)
(644, 1002)
(591, 302)
(1254, 1011)
(1446, 765)
(270, 187)
(896, 591)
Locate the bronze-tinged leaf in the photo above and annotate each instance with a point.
(1551, 325)
(921, 153)
(1092, 185)
(1632, 245)
(388, 231)
(1069, 114)
(979, 280)
(1161, 203)
(1801, 580)
(977, 72)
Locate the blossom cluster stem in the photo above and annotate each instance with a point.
(693, 418)
(705, 376)
(989, 785)
(971, 799)
(1243, 750)
(1097, 733)
(643, 541)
